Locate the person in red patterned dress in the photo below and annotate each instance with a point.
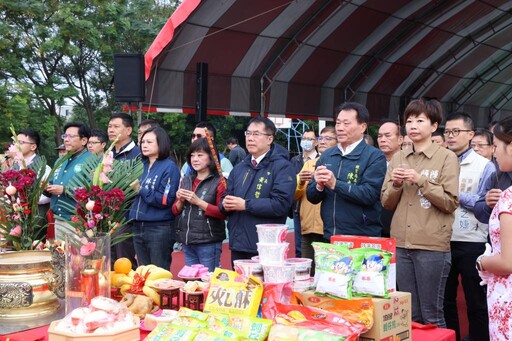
(495, 266)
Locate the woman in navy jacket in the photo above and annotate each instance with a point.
(153, 222)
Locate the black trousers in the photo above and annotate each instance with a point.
(464, 255)
(124, 248)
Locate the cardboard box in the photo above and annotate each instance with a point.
(392, 318)
(386, 244)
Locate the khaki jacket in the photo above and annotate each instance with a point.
(310, 219)
(424, 212)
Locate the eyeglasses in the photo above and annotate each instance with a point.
(71, 136)
(255, 133)
(327, 138)
(196, 136)
(455, 132)
(25, 142)
(93, 142)
(479, 145)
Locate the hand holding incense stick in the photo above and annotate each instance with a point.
(215, 157)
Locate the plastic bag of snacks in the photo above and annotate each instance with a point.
(251, 328)
(231, 292)
(274, 292)
(281, 332)
(170, 332)
(371, 278)
(357, 311)
(336, 266)
(317, 319)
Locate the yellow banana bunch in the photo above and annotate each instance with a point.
(144, 276)
(151, 293)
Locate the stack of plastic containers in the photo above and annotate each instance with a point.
(272, 250)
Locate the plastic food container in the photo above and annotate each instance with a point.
(278, 273)
(302, 267)
(301, 286)
(271, 233)
(248, 267)
(272, 254)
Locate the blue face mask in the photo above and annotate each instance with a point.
(306, 145)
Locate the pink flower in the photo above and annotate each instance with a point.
(108, 161)
(87, 249)
(98, 216)
(91, 223)
(104, 178)
(16, 231)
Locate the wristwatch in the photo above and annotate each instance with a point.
(479, 266)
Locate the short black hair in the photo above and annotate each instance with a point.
(149, 122)
(459, 115)
(270, 127)
(203, 146)
(438, 132)
(209, 126)
(430, 107)
(232, 140)
(100, 134)
(32, 134)
(163, 140)
(127, 119)
(83, 129)
(362, 114)
(486, 134)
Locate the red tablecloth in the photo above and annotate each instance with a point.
(419, 333)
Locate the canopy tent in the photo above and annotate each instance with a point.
(301, 58)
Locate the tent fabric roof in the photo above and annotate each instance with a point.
(301, 58)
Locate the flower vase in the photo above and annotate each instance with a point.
(87, 270)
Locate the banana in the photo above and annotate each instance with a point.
(124, 289)
(132, 273)
(119, 280)
(141, 270)
(159, 273)
(149, 292)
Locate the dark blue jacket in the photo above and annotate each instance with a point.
(268, 191)
(148, 205)
(353, 207)
(498, 179)
(128, 152)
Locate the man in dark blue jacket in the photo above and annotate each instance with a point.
(348, 178)
(121, 124)
(260, 188)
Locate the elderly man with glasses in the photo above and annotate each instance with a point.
(260, 189)
(76, 136)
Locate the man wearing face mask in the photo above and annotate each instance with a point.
(308, 144)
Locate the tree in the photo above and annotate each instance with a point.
(62, 51)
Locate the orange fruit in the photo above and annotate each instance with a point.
(122, 266)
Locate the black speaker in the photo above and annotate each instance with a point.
(129, 77)
(201, 91)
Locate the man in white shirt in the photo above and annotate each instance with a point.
(469, 235)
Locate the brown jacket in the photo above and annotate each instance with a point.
(310, 219)
(424, 212)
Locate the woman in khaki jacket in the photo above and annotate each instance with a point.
(422, 186)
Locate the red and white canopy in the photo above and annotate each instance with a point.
(301, 58)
